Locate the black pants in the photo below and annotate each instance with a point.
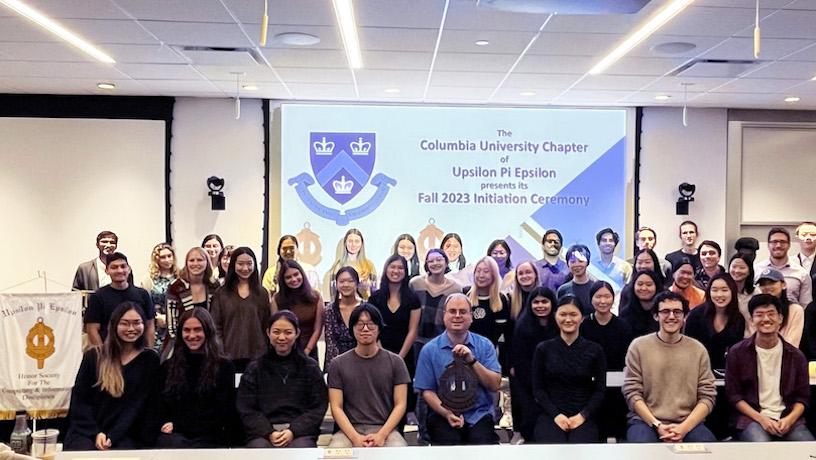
(74, 442)
(179, 441)
(442, 434)
(547, 432)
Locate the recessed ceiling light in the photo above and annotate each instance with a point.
(673, 48)
(250, 87)
(527, 93)
(392, 90)
(482, 42)
(814, 78)
(105, 85)
(662, 97)
(792, 99)
(296, 39)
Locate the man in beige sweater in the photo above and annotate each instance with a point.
(668, 383)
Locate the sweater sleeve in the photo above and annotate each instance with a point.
(309, 422)
(706, 391)
(632, 377)
(599, 378)
(540, 393)
(215, 312)
(255, 422)
(83, 420)
(140, 392)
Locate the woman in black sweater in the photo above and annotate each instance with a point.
(569, 381)
(606, 329)
(718, 323)
(113, 388)
(282, 397)
(535, 324)
(198, 388)
(637, 311)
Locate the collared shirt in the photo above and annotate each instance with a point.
(552, 276)
(797, 281)
(694, 295)
(617, 272)
(101, 274)
(438, 353)
(805, 261)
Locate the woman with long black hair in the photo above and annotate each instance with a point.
(295, 293)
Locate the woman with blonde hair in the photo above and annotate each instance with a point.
(352, 254)
(490, 308)
(162, 272)
(114, 386)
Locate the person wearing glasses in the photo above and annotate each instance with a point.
(552, 269)
(368, 387)
(668, 384)
(797, 279)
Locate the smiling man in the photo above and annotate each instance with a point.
(668, 384)
(688, 239)
(368, 387)
(766, 380)
(615, 270)
(797, 279)
(475, 424)
(91, 275)
(683, 276)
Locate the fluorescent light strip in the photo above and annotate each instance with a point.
(436, 49)
(348, 31)
(642, 33)
(55, 28)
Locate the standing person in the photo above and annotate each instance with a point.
(710, 253)
(474, 425)
(353, 255)
(552, 269)
(194, 287)
(213, 245)
(339, 338)
(162, 272)
(113, 387)
(198, 388)
(106, 299)
(688, 245)
(223, 262)
(282, 397)
(773, 282)
(741, 269)
(578, 260)
(491, 310)
(806, 234)
(289, 249)
(718, 323)
(683, 275)
(797, 280)
(400, 311)
(500, 251)
(296, 294)
(452, 245)
(240, 308)
(646, 238)
(637, 312)
(668, 384)
(569, 381)
(766, 380)
(606, 329)
(645, 260)
(616, 270)
(405, 245)
(368, 387)
(535, 325)
(91, 275)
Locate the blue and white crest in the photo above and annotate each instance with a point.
(342, 162)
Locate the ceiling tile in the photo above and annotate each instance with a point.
(45, 51)
(396, 60)
(786, 69)
(318, 91)
(177, 10)
(555, 64)
(72, 9)
(379, 38)
(743, 48)
(159, 71)
(198, 33)
(750, 85)
(314, 75)
(255, 73)
(65, 70)
(306, 57)
(284, 12)
(475, 62)
(101, 31)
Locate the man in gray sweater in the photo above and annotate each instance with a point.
(668, 383)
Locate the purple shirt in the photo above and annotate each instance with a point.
(742, 383)
(552, 276)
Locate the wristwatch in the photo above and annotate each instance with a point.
(656, 424)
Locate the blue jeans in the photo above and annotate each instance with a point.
(639, 431)
(755, 433)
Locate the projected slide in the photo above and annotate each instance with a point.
(484, 173)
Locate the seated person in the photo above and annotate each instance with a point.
(198, 388)
(368, 387)
(113, 387)
(569, 381)
(766, 380)
(668, 384)
(474, 425)
(282, 397)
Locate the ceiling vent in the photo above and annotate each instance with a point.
(229, 57)
(565, 6)
(721, 68)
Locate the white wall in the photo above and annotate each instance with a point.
(209, 141)
(672, 154)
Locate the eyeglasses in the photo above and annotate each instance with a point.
(361, 325)
(769, 315)
(673, 312)
(778, 242)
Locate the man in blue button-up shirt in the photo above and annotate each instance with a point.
(475, 425)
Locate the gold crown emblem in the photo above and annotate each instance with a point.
(343, 186)
(323, 147)
(359, 147)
